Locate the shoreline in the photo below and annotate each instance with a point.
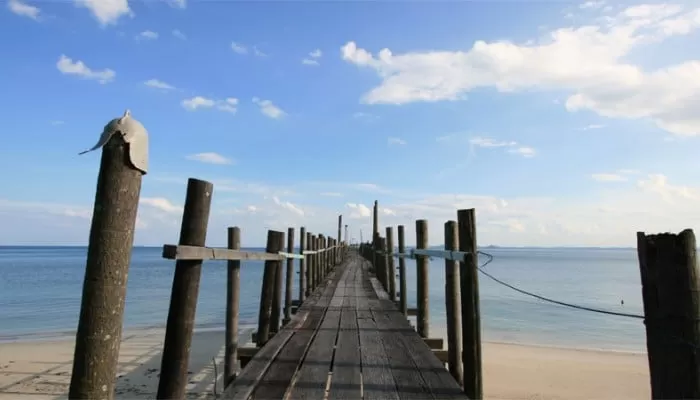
(41, 370)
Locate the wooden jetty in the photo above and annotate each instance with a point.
(347, 335)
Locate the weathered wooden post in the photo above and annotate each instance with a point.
(309, 265)
(452, 306)
(314, 263)
(302, 265)
(391, 271)
(321, 259)
(471, 315)
(375, 234)
(276, 311)
(274, 245)
(422, 264)
(403, 305)
(183, 299)
(290, 278)
(233, 299)
(669, 270)
(339, 241)
(380, 258)
(97, 341)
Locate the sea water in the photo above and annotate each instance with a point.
(40, 291)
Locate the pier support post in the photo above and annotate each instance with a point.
(183, 299)
(403, 304)
(309, 265)
(452, 304)
(422, 264)
(391, 271)
(471, 314)
(276, 311)
(303, 264)
(274, 245)
(669, 271)
(290, 278)
(99, 331)
(233, 298)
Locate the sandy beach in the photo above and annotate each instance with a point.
(41, 370)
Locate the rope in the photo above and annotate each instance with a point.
(548, 300)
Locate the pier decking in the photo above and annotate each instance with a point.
(347, 341)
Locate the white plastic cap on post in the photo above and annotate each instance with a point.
(133, 133)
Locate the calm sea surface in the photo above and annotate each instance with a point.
(40, 289)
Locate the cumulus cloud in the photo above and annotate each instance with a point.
(313, 58)
(155, 83)
(210, 158)
(229, 104)
(147, 35)
(588, 61)
(107, 12)
(269, 109)
(78, 68)
(512, 146)
(24, 9)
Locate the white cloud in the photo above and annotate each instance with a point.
(269, 109)
(229, 104)
(592, 5)
(69, 67)
(178, 34)
(147, 35)
(210, 158)
(331, 194)
(24, 9)
(288, 206)
(155, 83)
(358, 210)
(258, 52)
(513, 146)
(161, 204)
(312, 58)
(486, 142)
(394, 141)
(524, 151)
(589, 62)
(178, 3)
(239, 48)
(106, 11)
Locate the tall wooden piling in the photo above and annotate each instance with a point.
(422, 264)
(322, 259)
(314, 263)
(290, 278)
(99, 331)
(391, 271)
(274, 245)
(670, 291)
(339, 240)
(403, 305)
(309, 265)
(380, 261)
(276, 310)
(183, 299)
(452, 304)
(233, 298)
(302, 265)
(471, 313)
(375, 234)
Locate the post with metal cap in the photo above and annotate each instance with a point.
(276, 312)
(302, 265)
(670, 291)
(391, 271)
(422, 263)
(183, 298)
(471, 315)
(124, 162)
(452, 306)
(403, 305)
(290, 278)
(274, 245)
(233, 299)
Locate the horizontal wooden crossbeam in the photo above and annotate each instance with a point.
(184, 252)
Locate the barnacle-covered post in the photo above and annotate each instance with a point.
(124, 144)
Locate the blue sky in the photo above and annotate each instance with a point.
(562, 123)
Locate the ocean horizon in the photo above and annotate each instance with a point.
(41, 287)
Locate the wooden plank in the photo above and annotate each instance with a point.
(277, 379)
(244, 385)
(346, 381)
(377, 380)
(183, 252)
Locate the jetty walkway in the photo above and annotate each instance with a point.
(347, 341)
